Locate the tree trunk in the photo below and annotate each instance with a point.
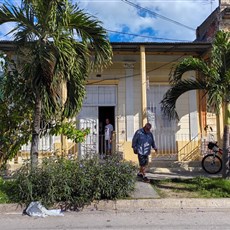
(225, 157)
(36, 131)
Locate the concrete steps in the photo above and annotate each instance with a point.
(174, 166)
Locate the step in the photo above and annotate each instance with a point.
(175, 166)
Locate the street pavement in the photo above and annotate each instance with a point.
(158, 218)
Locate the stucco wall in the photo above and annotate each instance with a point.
(156, 74)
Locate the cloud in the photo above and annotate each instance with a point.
(118, 15)
(155, 24)
(5, 29)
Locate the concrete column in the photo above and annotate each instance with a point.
(64, 141)
(143, 86)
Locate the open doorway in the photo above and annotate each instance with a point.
(104, 113)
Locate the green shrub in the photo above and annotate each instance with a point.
(8, 191)
(117, 179)
(75, 183)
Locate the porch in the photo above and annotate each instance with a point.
(185, 155)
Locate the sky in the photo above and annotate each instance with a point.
(144, 20)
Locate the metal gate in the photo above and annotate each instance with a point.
(88, 118)
(163, 129)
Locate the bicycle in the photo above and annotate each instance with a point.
(212, 162)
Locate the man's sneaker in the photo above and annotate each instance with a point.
(146, 179)
(140, 175)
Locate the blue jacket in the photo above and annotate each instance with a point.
(142, 142)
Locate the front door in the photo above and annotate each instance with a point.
(99, 102)
(105, 112)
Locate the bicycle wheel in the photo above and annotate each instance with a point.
(211, 164)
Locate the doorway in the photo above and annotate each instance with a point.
(105, 112)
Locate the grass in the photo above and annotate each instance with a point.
(198, 187)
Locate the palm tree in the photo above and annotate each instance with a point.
(213, 78)
(16, 117)
(57, 45)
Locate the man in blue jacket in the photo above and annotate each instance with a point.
(142, 143)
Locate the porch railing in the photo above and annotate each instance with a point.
(177, 147)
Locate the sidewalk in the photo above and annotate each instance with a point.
(145, 190)
(146, 198)
(165, 173)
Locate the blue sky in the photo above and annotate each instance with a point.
(152, 20)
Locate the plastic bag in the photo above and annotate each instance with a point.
(37, 209)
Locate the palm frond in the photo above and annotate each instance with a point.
(76, 81)
(168, 103)
(25, 28)
(220, 55)
(91, 31)
(216, 96)
(188, 64)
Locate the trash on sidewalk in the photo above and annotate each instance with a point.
(38, 210)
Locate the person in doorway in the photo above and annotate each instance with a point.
(141, 143)
(108, 136)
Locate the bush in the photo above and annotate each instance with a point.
(8, 191)
(75, 183)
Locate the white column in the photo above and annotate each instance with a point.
(129, 100)
(193, 114)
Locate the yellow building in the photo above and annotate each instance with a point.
(129, 94)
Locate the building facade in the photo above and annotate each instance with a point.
(129, 93)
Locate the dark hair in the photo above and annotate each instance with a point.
(148, 125)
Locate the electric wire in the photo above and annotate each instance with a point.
(158, 15)
(145, 36)
(137, 74)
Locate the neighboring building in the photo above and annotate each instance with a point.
(217, 20)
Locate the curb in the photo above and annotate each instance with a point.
(167, 203)
(140, 204)
(10, 208)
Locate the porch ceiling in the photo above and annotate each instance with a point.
(193, 47)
